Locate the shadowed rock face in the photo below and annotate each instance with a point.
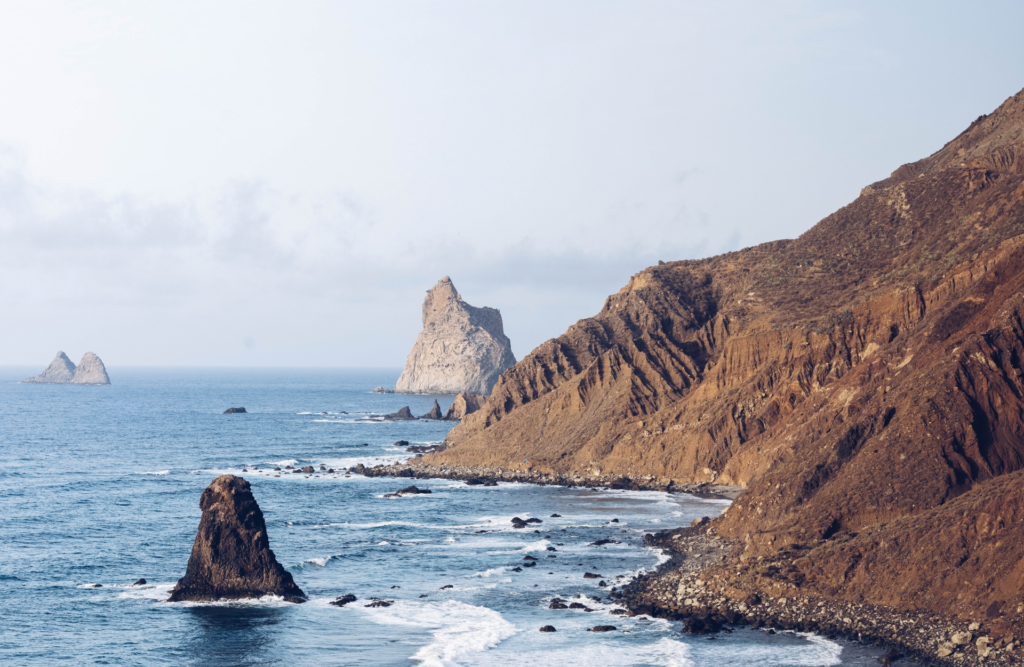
(463, 405)
(231, 557)
(461, 347)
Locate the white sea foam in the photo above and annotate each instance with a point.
(319, 562)
(539, 545)
(494, 571)
(461, 632)
(155, 472)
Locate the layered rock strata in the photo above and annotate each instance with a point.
(461, 348)
(863, 382)
(231, 557)
(90, 370)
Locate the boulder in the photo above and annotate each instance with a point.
(407, 491)
(234, 411)
(382, 390)
(547, 628)
(460, 349)
(343, 600)
(231, 556)
(602, 628)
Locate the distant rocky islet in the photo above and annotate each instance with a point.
(90, 370)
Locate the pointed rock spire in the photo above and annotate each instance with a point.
(90, 371)
(60, 371)
(231, 557)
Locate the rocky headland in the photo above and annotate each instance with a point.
(90, 370)
(862, 383)
(460, 349)
(231, 557)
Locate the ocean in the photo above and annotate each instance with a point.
(100, 486)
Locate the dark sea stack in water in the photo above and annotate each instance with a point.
(234, 411)
(435, 412)
(231, 557)
(859, 381)
(461, 347)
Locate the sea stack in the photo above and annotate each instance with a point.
(461, 348)
(61, 371)
(231, 557)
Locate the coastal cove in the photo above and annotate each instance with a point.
(99, 487)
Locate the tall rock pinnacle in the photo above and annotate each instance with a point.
(90, 371)
(461, 348)
(231, 557)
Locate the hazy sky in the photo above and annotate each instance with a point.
(278, 183)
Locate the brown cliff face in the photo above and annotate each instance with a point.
(231, 557)
(863, 379)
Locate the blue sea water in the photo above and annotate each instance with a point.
(99, 486)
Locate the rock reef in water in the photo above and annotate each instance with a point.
(403, 415)
(862, 382)
(461, 348)
(464, 404)
(231, 557)
(235, 411)
(90, 370)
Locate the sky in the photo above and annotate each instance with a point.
(277, 184)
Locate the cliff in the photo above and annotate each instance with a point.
(863, 382)
(460, 349)
(61, 371)
(231, 557)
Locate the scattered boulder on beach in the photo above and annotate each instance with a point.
(231, 556)
(534, 520)
(602, 628)
(405, 414)
(234, 411)
(547, 628)
(591, 575)
(377, 602)
(343, 600)
(435, 412)
(308, 469)
(558, 603)
(140, 582)
(518, 523)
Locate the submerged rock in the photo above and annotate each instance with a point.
(234, 411)
(460, 349)
(231, 556)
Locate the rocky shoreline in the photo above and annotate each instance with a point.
(695, 587)
(474, 474)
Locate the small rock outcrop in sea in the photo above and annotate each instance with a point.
(231, 557)
(90, 370)
(234, 411)
(435, 412)
(464, 404)
(382, 390)
(461, 348)
(405, 414)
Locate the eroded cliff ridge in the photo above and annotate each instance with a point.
(863, 382)
(460, 349)
(231, 557)
(61, 371)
